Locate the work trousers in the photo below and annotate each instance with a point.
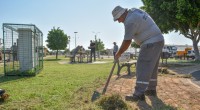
(114, 54)
(92, 53)
(147, 67)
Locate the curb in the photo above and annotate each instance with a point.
(190, 80)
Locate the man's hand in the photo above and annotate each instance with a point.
(124, 47)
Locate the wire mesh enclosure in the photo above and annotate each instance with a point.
(22, 49)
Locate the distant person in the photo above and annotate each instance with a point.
(115, 49)
(92, 52)
(74, 52)
(140, 27)
(14, 51)
(82, 53)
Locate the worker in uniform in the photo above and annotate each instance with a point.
(115, 49)
(140, 27)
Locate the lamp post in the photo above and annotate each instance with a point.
(95, 35)
(75, 38)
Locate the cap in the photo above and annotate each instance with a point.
(117, 12)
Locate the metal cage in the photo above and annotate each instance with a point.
(22, 49)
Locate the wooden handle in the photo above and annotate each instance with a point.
(108, 80)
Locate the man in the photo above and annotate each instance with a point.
(141, 27)
(115, 49)
(74, 52)
(92, 52)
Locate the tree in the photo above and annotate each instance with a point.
(99, 46)
(133, 44)
(181, 16)
(57, 40)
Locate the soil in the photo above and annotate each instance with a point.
(174, 90)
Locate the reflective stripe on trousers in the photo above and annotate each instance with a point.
(142, 82)
(153, 79)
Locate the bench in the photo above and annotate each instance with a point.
(127, 64)
(81, 57)
(124, 61)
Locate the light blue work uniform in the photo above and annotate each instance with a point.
(140, 27)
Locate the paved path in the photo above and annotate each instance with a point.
(186, 68)
(196, 77)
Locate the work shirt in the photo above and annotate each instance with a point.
(141, 27)
(92, 46)
(115, 48)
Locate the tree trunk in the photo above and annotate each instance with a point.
(56, 54)
(196, 50)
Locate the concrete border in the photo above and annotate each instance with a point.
(190, 80)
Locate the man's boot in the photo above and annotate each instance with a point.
(150, 93)
(135, 98)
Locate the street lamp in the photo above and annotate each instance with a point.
(95, 35)
(75, 38)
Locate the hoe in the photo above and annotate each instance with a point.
(96, 94)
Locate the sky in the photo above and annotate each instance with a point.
(87, 17)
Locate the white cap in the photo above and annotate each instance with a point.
(117, 12)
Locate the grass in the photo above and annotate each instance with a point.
(58, 86)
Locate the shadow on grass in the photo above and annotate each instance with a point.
(11, 78)
(52, 59)
(156, 104)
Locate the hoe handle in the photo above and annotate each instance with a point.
(108, 80)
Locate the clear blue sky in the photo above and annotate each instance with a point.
(82, 16)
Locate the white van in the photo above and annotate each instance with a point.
(191, 54)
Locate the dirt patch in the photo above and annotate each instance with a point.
(174, 92)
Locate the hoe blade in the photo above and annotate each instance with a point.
(95, 96)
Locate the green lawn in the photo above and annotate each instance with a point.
(57, 86)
